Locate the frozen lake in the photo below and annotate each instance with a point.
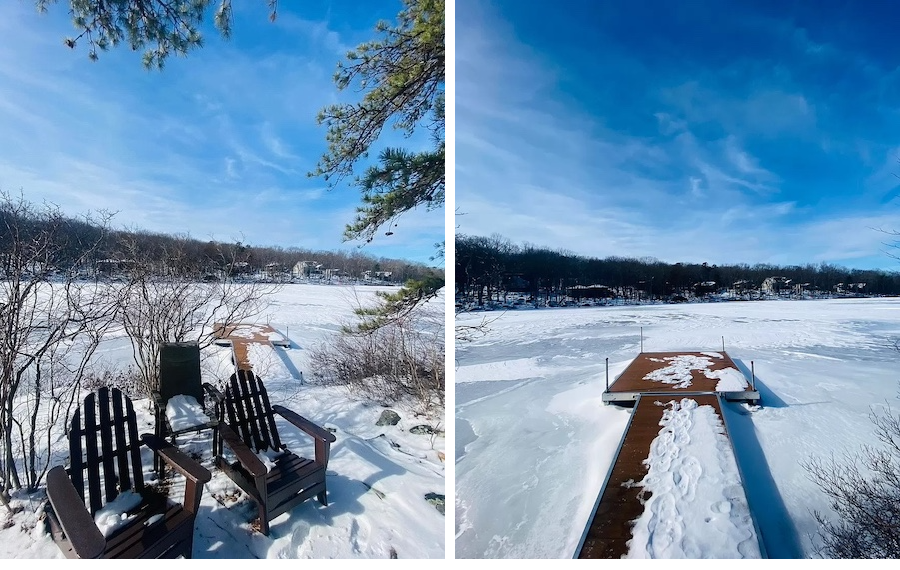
(534, 441)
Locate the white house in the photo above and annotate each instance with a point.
(306, 269)
(775, 285)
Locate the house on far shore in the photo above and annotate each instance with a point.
(369, 275)
(306, 269)
(241, 268)
(579, 292)
(801, 288)
(775, 285)
(850, 288)
(705, 288)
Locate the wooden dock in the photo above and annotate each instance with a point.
(633, 381)
(241, 335)
(618, 505)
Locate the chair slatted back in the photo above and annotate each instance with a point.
(104, 444)
(249, 412)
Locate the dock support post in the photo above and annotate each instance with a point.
(752, 377)
(607, 374)
(642, 339)
(723, 344)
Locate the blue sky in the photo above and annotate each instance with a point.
(725, 132)
(216, 145)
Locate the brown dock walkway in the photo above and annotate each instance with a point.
(648, 383)
(242, 335)
(609, 530)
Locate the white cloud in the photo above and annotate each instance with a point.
(696, 186)
(181, 150)
(230, 170)
(318, 31)
(535, 170)
(762, 111)
(741, 160)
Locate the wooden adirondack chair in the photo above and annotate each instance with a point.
(179, 375)
(105, 461)
(250, 428)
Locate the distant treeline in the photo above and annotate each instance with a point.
(77, 248)
(489, 267)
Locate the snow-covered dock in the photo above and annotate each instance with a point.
(241, 335)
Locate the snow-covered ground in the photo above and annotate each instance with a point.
(378, 476)
(534, 441)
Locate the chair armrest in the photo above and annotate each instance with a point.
(323, 437)
(195, 473)
(214, 393)
(159, 406)
(78, 524)
(309, 427)
(176, 459)
(159, 412)
(218, 399)
(247, 458)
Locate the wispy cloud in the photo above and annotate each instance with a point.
(767, 111)
(636, 153)
(217, 144)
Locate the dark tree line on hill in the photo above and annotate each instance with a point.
(184, 255)
(488, 268)
(211, 256)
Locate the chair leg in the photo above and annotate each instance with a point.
(323, 499)
(263, 521)
(158, 466)
(188, 552)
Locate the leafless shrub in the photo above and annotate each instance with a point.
(168, 301)
(128, 380)
(51, 322)
(864, 493)
(399, 360)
